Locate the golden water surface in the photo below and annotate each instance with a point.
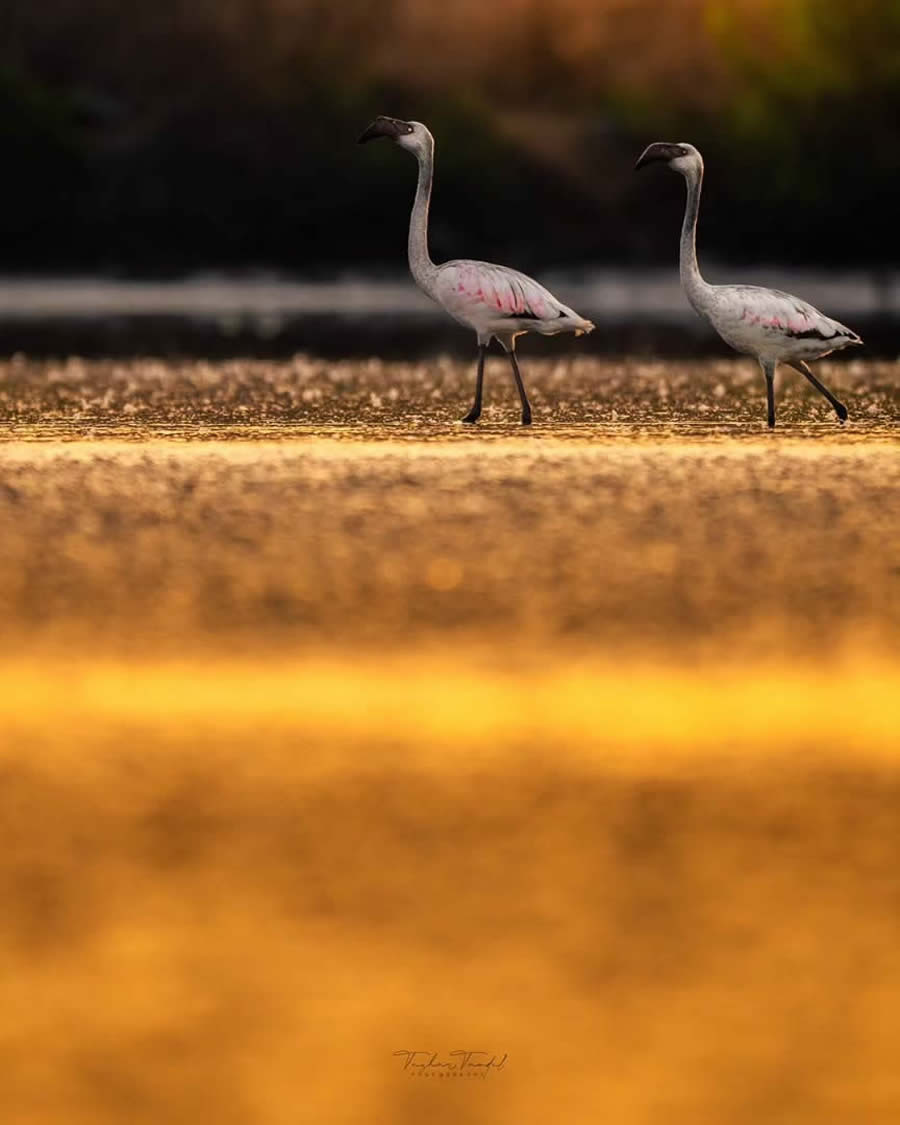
(332, 730)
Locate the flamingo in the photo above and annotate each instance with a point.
(495, 301)
(772, 326)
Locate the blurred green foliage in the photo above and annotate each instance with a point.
(811, 121)
(177, 136)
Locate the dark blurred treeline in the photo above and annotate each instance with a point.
(170, 136)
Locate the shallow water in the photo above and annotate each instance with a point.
(310, 503)
(331, 728)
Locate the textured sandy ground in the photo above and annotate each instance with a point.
(141, 398)
(329, 729)
(309, 503)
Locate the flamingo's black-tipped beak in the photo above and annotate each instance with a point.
(659, 151)
(385, 127)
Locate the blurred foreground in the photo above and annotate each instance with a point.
(236, 891)
(331, 729)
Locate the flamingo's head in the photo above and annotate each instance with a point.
(411, 135)
(684, 158)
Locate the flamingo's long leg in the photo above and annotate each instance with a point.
(520, 387)
(803, 368)
(768, 369)
(475, 413)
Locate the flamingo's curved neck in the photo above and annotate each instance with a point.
(697, 290)
(420, 263)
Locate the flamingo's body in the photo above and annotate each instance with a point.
(494, 301)
(772, 326)
(501, 303)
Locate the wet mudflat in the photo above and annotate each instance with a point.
(308, 504)
(331, 728)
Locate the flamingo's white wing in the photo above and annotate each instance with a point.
(486, 297)
(747, 314)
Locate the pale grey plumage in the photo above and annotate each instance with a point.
(495, 301)
(770, 325)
